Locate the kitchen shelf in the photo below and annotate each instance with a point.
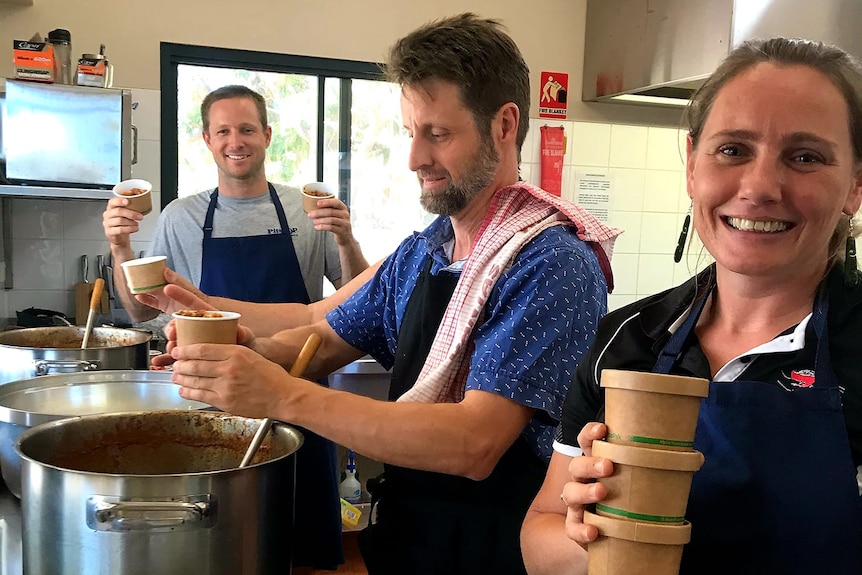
(54, 193)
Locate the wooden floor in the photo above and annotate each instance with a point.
(354, 565)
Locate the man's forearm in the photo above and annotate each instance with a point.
(137, 311)
(352, 261)
(267, 319)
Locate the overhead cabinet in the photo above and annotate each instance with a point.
(664, 49)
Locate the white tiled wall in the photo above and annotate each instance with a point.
(50, 236)
(648, 199)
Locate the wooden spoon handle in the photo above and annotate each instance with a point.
(307, 352)
(95, 298)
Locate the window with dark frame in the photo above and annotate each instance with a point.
(333, 120)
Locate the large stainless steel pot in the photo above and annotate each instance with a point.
(29, 402)
(32, 352)
(157, 492)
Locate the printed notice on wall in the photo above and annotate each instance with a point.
(593, 193)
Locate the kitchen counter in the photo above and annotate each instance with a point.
(11, 560)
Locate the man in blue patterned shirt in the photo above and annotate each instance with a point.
(483, 318)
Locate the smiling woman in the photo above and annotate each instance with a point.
(774, 171)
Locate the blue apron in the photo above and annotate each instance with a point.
(777, 492)
(261, 269)
(265, 269)
(433, 523)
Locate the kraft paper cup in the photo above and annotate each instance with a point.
(206, 329)
(142, 202)
(145, 274)
(313, 192)
(647, 484)
(635, 548)
(652, 409)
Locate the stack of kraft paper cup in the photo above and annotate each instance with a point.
(651, 420)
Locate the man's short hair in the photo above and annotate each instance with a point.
(475, 54)
(228, 92)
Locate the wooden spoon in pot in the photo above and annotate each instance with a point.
(95, 301)
(297, 369)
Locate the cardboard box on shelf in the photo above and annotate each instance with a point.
(33, 60)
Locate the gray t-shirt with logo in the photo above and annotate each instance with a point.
(179, 233)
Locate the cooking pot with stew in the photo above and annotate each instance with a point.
(32, 352)
(29, 402)
(157, 492)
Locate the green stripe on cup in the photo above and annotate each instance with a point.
(638, 516)
(650, 440)
(147, 288)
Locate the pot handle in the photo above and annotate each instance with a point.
(110, 513)
(44, 366)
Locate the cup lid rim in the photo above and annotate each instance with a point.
(144, 261)
(226, 315)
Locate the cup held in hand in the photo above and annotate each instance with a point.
(206, 326)
(650, 485)
(652, 409)
(627, 547)
(313, 192)
(139, 194)
(145, 274)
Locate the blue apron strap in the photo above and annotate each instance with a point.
(208, 221)
(672, 350)
(822, 360)
(279, 209)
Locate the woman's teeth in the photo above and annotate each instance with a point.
(756, 226)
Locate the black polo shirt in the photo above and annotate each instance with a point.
(632, 337)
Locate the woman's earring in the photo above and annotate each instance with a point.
(850, 269)
(683, 235)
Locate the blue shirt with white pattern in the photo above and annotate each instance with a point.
(540, 318)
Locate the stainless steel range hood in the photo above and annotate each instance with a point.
(659, 51)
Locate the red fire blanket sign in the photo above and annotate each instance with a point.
(553, 150)
(554, 95)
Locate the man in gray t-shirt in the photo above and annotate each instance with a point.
(236, 132)
(251, 240)
(179, 234)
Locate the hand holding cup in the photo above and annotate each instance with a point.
(139, 194)
(313, 192)
(205, 326)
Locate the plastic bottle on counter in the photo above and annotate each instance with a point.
(61, 40)
(350, 489)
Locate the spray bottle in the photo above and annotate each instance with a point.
(350, 489)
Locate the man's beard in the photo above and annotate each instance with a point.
(479, 174)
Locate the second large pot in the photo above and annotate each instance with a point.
(157, 492)
(32, 352)
(29, 402)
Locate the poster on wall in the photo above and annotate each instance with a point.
(593, 193)
(553, 98)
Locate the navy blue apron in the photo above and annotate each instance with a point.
(261, 269)
(433, 523)
(265, 269)
(777, 492)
